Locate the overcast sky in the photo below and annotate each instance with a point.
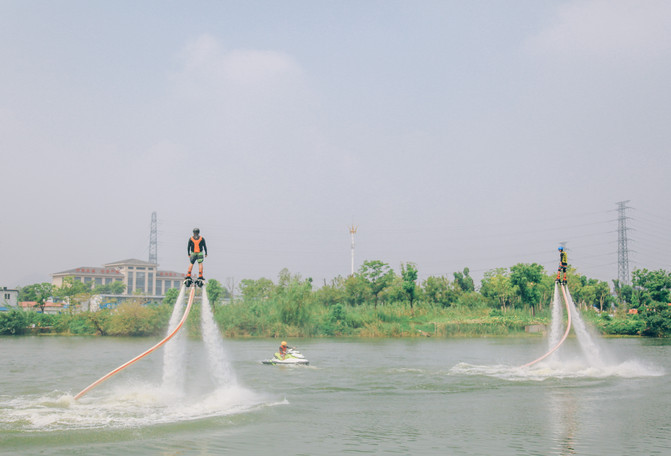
(454, 134)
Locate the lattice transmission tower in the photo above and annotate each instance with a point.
(622, 243)
(153, 240)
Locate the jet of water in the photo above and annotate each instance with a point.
(175, 350)
(220, 368)
(556, 328)
(587, 341)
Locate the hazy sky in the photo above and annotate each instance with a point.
(455, 134)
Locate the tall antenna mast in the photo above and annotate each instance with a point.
(153, 241)
(352, 232)
(622, 247)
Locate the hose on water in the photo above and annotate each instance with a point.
(142, 355)
(568, 328)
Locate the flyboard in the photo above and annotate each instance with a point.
(568, 328)
(142, 355)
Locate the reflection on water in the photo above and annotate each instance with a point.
(563, 411)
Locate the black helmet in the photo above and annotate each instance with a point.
(196, 231)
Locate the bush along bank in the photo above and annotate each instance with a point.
(375, 302)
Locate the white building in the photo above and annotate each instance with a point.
(137, 275)
(8, 298)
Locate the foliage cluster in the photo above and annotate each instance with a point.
(376, 301)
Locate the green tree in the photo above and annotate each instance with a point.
(409, 275)
(654, 285)
(73, 292)
(134, 319)
(377, 275)
(623, 293)
(590, 292)
(394, 293)
(38, 292)
(171, 296)
(603, 294)
(657, 317)
(294, 297)
(117, 287)
(332, 293)
(652, 290)
(497, 288)
(215, 291)
(100, 320)
(463, 281)
(437, 290)
(13, 322)
(256, 289)
(356, 290)
(527, 280)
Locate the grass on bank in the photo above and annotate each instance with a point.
(265, 318)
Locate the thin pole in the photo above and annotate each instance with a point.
(352, 232)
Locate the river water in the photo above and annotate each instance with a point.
(381, 396)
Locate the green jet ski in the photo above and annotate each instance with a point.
(292, 358)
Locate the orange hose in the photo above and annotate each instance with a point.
(138, 357)
(568, 328)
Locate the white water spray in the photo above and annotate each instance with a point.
(557, 313)
(220, 368)
(175, 350)
(597, 362)
(587, 341)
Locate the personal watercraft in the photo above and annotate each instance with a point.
(293, 357)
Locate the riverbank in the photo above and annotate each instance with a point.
(240, 320)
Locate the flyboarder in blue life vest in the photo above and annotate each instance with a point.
(563, 263)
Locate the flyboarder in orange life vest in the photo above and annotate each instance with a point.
(197, 250)
(563, 263)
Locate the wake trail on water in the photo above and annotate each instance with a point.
(558, 370)
(138, 406)
(593, 361)
(135, 403)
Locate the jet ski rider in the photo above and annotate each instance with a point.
(283, 349)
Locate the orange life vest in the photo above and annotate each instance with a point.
(196, 244)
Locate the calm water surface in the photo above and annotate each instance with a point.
(400, 396)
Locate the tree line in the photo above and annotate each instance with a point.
(521, 289)
(376, 293)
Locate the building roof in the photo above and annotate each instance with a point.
(105, 271)
(113, 270)
(163, 274)
(30, 304)
(131, 262)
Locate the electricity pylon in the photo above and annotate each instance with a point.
(622, 247)
(153, 241)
